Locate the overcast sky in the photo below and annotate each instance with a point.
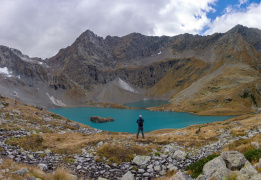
(39, 28)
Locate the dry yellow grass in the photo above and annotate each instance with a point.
(8, 167)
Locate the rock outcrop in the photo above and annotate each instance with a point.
(230, 163)
(192, 71)
(100, 119)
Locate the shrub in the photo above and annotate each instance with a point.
(196, 168)
(253, 155)
(56, 116)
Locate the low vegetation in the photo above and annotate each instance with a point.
(8, 169)
(253, 155)
(33, 142)
(119, 153)
(196, 168)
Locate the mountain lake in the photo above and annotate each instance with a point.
(125, 119)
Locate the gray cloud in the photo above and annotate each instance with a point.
(40, 28)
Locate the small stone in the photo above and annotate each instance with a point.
(181, 176)
(179, 155)
(141, 171)
(47, 151)
(255, 145)
(21, 172)
(128, 176)
(100, 144)
(16, 112)
(141, 160)
(47, 119)
(157, 168)
(42, 166)
(146, 174)
(100, 178)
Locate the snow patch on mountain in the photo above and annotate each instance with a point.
(56, 101)
(126, 86)
(6, 72)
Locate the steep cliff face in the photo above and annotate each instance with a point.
(191, 71)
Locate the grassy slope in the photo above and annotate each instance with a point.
(74, 142)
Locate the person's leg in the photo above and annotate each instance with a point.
(142, 132)
(138, 132)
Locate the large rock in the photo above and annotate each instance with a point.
(247, 172)
(181, 176)
(216, 168)
(141, 160)
(128, 176)
(100, 119)
(234, 160)
(179, 155)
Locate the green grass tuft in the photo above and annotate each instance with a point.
(253, 155)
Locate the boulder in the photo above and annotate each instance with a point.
(100, 119)
(216, 168)
(181, 176)
(234, 160)
(128, 176)
(179, 155)
(141, 160)
(247, 172)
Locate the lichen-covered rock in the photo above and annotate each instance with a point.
(216, 168)
(181, 176)
(100, 119)
(201, 177)
(256, 177)
(141, 160)
(128, 176)
(234, 160)
(179, 155)
(247, 172)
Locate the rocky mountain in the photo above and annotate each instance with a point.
(216, 74)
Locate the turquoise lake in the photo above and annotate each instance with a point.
(125, 119)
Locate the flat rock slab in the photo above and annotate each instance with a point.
(100, 119)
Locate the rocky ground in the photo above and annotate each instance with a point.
(35, 140)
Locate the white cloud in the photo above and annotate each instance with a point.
(41, 28)
(241, 2)
(249, 17)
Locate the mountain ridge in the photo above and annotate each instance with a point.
(156, 67)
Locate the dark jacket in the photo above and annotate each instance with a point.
(140, 122)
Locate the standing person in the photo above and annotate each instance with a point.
(140, 122)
